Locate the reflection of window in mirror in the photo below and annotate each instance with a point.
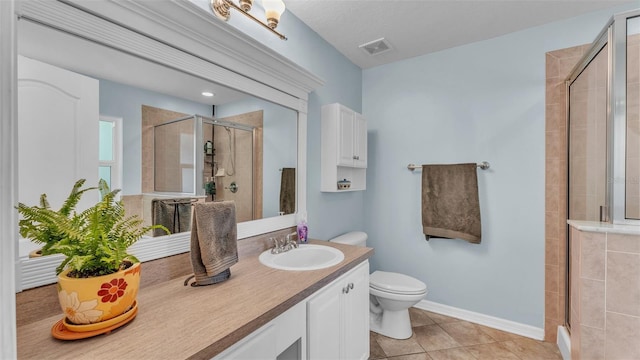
(110, 151)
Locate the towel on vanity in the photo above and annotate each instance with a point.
(214, 246)
(288, 191)
(450, 205)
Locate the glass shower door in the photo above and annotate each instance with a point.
(588, 141)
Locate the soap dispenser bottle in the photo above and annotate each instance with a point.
(302, 228)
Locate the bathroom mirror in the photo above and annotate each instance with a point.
(123, 78)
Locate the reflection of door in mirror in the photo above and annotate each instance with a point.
(58, 130)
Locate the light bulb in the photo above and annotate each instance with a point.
(273, 9)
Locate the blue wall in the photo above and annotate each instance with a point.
(119, 100)
(482, 101)
(479, 102)
(329, 214)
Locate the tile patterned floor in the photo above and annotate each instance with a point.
(439, 337)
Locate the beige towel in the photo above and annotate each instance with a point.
(214, 246)
(450, 205)
(288, 191)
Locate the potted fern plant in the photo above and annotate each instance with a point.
(98, 279)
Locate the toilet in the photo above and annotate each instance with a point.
(391, 295)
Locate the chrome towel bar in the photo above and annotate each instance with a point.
(483, 165)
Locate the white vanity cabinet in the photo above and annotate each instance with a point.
(338, 317)
(344, 148)
(284, 337)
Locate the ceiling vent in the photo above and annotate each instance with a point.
(376, 47)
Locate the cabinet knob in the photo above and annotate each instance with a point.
(345, 290)
(350, 285)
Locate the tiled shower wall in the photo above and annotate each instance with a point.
(605, 311)
(559, 64)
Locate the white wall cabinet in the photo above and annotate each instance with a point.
(344, 148)
(338, 318)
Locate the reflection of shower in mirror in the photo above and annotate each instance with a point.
(232, 151)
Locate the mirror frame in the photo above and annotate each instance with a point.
(189, 36)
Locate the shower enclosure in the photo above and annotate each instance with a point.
(206, 158)
(603, 123)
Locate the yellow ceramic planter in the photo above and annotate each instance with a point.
(96, 299)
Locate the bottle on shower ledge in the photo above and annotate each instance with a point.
(302, 228)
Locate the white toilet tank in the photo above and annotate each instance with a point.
(357, 238)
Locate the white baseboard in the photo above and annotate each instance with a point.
(482, 319)
(564, 342)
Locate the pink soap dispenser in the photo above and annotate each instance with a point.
(302, 228)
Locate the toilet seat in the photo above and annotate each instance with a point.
(396, 283)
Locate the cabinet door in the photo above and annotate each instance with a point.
(323, 321)
(355, 315)
(345, 137)
(360, 141)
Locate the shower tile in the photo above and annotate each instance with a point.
(592, 303)
(623, 243)
(554, 118)
(551, 250)
(551, 278)
(591, 343)
(621, 337)
(552, 227)
(623, 283)
(592, 256)
(552, 65)
(551, 200)
(551, 305)
(555, 144)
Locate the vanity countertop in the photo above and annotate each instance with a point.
(177, 322)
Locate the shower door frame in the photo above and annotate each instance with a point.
(613, 33)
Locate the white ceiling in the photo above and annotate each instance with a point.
(417, 27)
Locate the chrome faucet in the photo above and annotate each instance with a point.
(284, 245)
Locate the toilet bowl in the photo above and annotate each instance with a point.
(390, 294)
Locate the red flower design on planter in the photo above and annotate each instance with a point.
(111, 291)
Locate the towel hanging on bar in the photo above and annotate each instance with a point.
(483, 166)
(450, 203)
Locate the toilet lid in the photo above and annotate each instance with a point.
(396, 283)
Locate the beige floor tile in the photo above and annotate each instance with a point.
(451, 354)
(432, 337)
(493, 351)
(375, 350)
(394, 347)
(527, 349)
(498, 335)
(419, 317)
(421, 356)
(440, 319)
(466, 333)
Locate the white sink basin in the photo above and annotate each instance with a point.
(306, 257)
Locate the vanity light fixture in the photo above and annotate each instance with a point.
(272, 8)
(207, 94)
